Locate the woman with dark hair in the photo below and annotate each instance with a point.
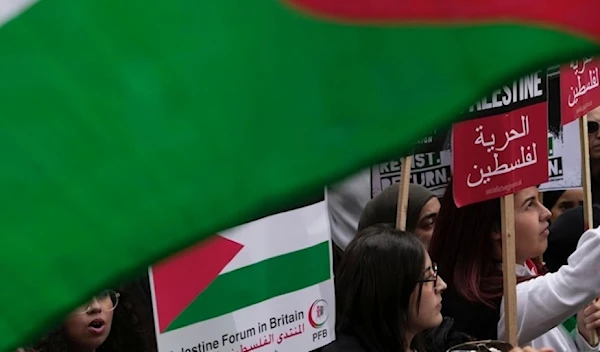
(387, 293)
(110, 322)
(467, 245)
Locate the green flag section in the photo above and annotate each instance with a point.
(274, 275)
(132, 129)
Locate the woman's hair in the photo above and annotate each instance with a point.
(378, 272)
(132, 326)
(462, 246)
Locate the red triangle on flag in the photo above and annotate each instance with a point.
(180, 279)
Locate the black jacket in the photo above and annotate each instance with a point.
(565, 233)
(439, 339)
(349, 343)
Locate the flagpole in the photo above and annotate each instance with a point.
(403, 192)
(509, 268)
(586, 182)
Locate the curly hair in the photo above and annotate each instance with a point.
(132, 326)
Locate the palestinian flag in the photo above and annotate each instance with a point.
(138, 128)
(232, 289)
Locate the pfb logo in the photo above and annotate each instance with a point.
(317, 314)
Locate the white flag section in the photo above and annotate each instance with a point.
(564, 159)
(263, 286)
(11, 8)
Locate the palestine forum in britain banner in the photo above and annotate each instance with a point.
(263, 286)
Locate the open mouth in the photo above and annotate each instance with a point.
(97, 326)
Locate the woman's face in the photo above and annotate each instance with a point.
(427, 313)
(570, 198)
(426, 223)
(531, 225)
(89, 325)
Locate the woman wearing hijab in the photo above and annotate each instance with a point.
(422, 210)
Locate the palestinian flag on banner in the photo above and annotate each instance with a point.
(279, 265)
(138, 128)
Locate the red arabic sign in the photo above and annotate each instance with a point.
(579, 92)
(499, 155)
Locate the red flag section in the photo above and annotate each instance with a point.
(572, 15)
(201, 264)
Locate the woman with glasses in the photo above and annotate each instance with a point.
(467, 245)
(108, 322)
(387, 293)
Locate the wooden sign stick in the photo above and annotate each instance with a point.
(586, 178)
(541, 200)
(586, 182)
(509, 272)
(403, 193)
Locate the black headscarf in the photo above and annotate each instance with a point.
(383, 208)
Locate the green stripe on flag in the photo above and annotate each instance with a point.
(258, 282)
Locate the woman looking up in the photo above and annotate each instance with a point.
(467, 245)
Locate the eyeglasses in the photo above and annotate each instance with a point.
(107, 300)
(593, 127)
(433, 279)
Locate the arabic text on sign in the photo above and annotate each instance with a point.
(528, 154)
(587, 80)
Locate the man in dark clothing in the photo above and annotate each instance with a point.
(565, 233)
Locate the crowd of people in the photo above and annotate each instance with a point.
(461, 262)
(436, 285)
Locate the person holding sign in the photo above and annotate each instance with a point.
(467, 245)
(387, 292)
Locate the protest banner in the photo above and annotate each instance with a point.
(502, 150)
(487, 163)
(431, 165)
(579, 83)
(564, 160)
(430, 170)
(500, 167)
(564, 153)
(263, 286)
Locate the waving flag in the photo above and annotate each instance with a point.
(131, 129)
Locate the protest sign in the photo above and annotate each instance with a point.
(432, 167)
(263, 286)
(564, 159)
(579, 83)
(507, 151)
(564, 152)
(430, 170)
